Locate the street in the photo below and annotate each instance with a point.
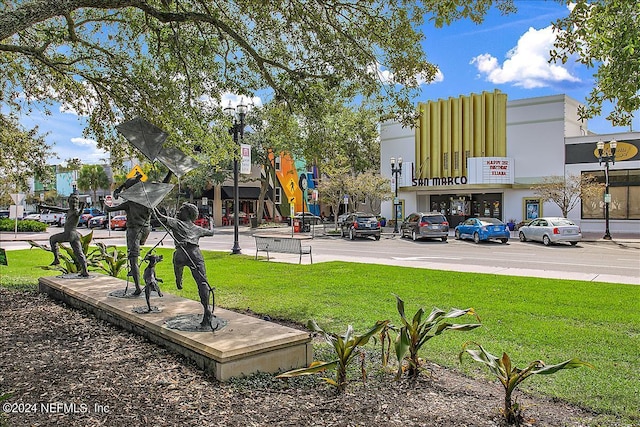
(597, 260)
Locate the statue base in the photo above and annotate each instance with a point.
(244, 346)
(192, 323)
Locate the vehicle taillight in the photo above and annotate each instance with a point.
(424, 223)
(445, 223)
(556, 230)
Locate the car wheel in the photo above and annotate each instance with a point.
(522, 237)
(545, 240)
(352, 234)
(377, 236)
(457, 234)
(414, 236)
(504, 240)
(573, 243)
(444, 239)
(476, 237)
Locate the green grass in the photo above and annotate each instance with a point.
(529, 318)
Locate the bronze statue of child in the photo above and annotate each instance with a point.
(70, 233)
(187, 254)
(138, 229)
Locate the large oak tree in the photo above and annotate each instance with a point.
(171, 61)
(605, 35)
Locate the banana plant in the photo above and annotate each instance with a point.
(109, 259)
(413, 335)
(511, 376)
(69, 264)
(346, 347)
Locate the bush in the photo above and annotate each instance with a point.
(28, 225)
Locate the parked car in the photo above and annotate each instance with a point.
(4, 214)
(87, 214)
(432, 225)
(100, 221)
(118, 222)
(49, 217)
(32, 217)
(483, 228)
(360, 225)
(309, 218)
(551, 230)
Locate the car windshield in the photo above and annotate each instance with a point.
(366, 217)
(434, 219)
(490, 221)
(561, 221)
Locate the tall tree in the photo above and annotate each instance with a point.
(567, 192)
(604, 34)
(171, 62)
(93, 178)
(23, 154)
(274, 131)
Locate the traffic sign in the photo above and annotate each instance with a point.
(137, 169)
(108, 200)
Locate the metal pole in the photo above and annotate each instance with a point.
(395, 203)
(236, 196)
(607, 234)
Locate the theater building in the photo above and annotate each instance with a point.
(479, 155)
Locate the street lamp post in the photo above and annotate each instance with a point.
(606, 156)
(396, 171)
(237, 130)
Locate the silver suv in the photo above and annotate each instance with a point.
(425, 224)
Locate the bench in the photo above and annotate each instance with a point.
(282, 244)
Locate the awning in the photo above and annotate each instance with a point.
(245, 193)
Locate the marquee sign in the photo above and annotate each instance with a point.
(490, 170)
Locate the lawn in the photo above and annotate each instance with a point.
(528, 318)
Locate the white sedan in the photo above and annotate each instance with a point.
(551, 230)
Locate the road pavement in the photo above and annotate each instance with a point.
(324, 251)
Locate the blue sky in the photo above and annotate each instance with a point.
(508, 53)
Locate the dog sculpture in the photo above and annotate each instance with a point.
(150, 279)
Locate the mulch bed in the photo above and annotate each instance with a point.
(65, 367)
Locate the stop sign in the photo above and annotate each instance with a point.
(108, 200)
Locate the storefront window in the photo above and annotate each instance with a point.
(634, 202)
(593, 207)
(618, 205)
(624, 187)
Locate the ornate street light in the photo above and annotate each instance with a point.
(606, 156)
(396, 171)
(237, 116)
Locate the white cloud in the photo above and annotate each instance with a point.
(84, 149)
(387, 76)
(526, 64)
(83, 141)
(439, 77)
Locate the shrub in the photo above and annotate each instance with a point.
(413, 335)
(27, 225)
(511, 376)
(345, 346)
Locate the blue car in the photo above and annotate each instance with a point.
(482, 228)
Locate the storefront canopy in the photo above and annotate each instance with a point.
(245, 193)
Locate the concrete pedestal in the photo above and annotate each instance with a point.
(243, 346)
